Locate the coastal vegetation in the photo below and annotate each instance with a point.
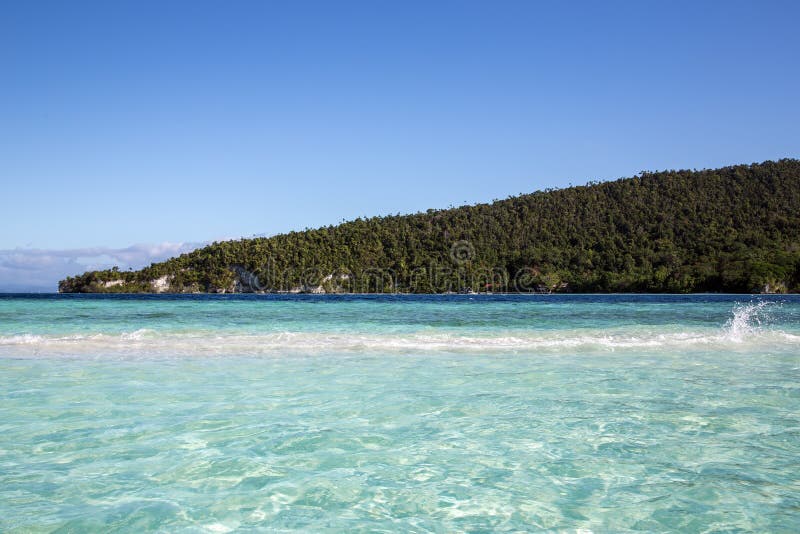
(733, 229)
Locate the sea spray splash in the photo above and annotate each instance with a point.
(748, 319)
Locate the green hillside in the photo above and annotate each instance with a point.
(735, 229)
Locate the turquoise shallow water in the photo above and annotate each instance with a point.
(440, 413)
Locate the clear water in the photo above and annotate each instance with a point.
(400, 413)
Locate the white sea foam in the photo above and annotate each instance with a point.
(749, 327)
(316, 342)
(136, 335)
(23, 339)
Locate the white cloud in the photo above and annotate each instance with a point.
(26, 269)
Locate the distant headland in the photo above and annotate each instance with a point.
(734, 229)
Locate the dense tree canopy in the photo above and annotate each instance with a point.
(735, 229)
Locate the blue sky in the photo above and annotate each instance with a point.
(154, 126)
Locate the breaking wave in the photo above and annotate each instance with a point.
(749, 327)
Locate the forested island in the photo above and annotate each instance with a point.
(734, 229)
